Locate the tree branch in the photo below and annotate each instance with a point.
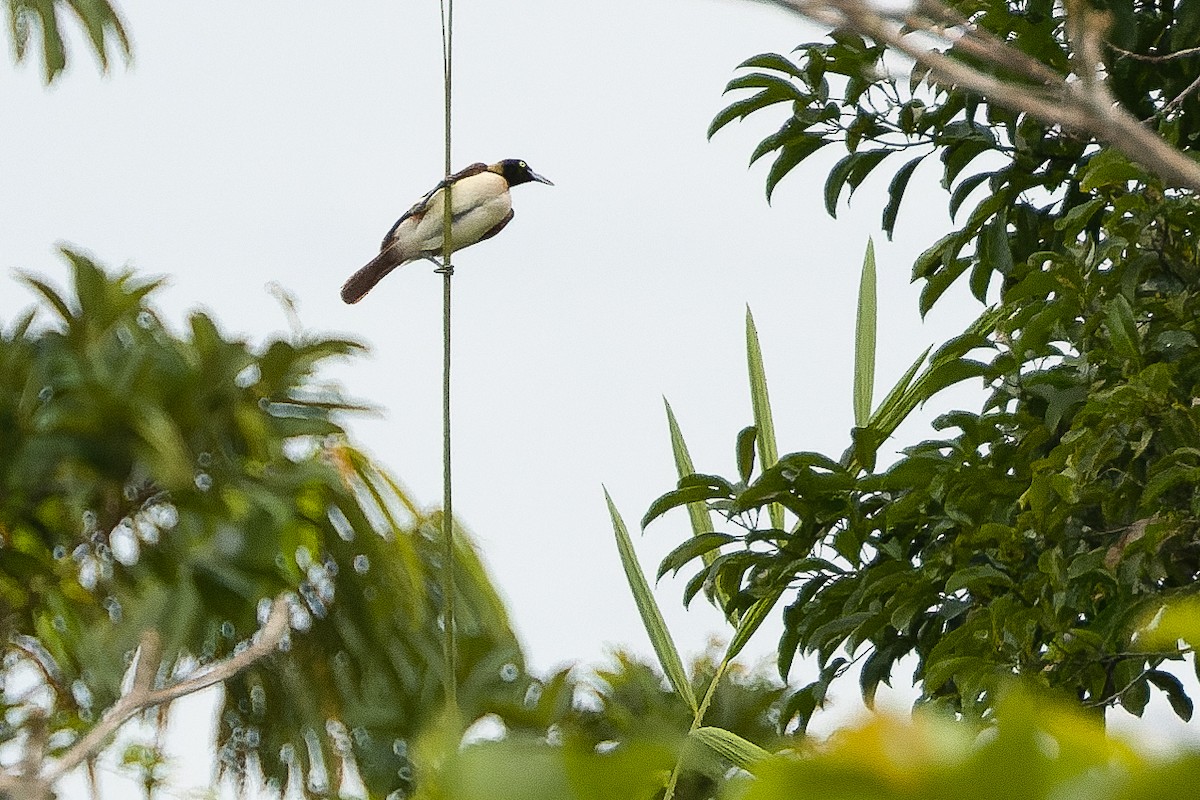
(929, 31)
(1156, 59)
(37, 783)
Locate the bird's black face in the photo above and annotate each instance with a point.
(516, 171)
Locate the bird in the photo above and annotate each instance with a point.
(480, 208)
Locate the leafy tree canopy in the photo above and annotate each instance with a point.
(1038, 535)
(153, 480)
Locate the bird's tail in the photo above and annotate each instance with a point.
(361, 282)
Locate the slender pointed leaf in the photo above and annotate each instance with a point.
(730, 746)
(789, 157)
(895, 397)
(686, 495)
(836, 180)
(656, 626)
(750, 621)
(745, 452)
(864, 340)
(760, 401)
(896, 194)
(772, 61)
(1122, 329)
(701, 521)
(54, 298)
(703, 544)
(1181, 704)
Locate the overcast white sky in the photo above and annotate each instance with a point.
(277, 141)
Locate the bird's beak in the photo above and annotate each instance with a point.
(534, 176)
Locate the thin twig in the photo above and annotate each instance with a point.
(1084, 106)
(141, 696)
(1177, 101)
(1154, 59)
(449, 641)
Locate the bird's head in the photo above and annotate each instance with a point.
(515, 171)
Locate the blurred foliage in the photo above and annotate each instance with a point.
(41, 20)
(1038, 748)
(614, 732)
(179, 481)
(1038, 536)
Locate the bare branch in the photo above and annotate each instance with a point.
(142, 695)
(1177, 101)
(1152, 58)
(1084, 105)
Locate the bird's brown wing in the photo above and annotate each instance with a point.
(423, 204)
(499, 226)
(365, 279)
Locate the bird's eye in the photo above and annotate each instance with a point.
(524, 165)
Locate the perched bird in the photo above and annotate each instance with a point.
(480, 208)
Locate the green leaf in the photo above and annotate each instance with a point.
(733, 748)
(864, 165)
(995, 257)
(964, 189)
(895, 406)
(760, 403)
(959, 155)
(896, 194)
(172, 462)
(1181, 704)
(702, 544)
(652, 619)
(973, 578)
(875, 670)
(693, 489)
(98, 18)
(54, 53)
(789, 157)
(942, 376)
(772, 61)
(762, 80)
(793, 132)
(697, 512)
(865, 444)
(1122, 329)
(1109, 168)
(864, 339)
(1076, 219)
(1135, 697)
(745, 452)
(740, 109)
(54, 298)
(940, 281)
(750, 623)
(835, 181)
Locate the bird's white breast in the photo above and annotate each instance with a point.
(478, 204)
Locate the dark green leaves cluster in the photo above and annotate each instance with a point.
(838, 96)
(41, 20)
(1037, 536)
(180, 481)
(841, 92)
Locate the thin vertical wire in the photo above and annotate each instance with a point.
(449, 645)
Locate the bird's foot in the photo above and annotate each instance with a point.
(444, 269)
